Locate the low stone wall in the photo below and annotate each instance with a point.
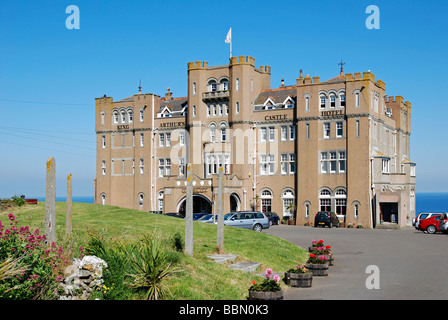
(81, 278)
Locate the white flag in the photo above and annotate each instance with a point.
(229, 36)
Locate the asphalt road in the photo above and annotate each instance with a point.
(412, 265)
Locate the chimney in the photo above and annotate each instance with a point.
(140, 87)
(301, 73)
(283, 83)
(168, 95)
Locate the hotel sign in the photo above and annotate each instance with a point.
(172, 124)
(275, 117)
(332, 113)
(196, 190)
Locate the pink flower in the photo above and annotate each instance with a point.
(11, 217)
(268, 273)
(276, 278)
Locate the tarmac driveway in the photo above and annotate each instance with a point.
(412, 265)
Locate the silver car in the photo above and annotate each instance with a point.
(443, 224)
(247, 219)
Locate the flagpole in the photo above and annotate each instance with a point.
(230, 48)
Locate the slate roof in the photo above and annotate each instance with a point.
(277, 95)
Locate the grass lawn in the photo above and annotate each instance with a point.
(201, 278)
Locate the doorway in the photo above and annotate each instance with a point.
(389, 212)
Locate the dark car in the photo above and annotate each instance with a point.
(323, 219)
(197, 216)
(273, 218)
(173, 214)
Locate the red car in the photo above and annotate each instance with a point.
(431, 224)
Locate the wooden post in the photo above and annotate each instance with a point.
(68, 215)
(189, 214)
(220, 233)
(50, 201)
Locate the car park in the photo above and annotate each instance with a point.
(443, 223)
(422, 216)
(323, 219)
(431, 224)
(247, 219)
(273, 218)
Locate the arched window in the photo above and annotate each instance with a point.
(266, 201)
(322, 101)
(160, 201)
(341, 201)
(212, 85)
(103, 199)
(140, 199)
(288, 202)
(130, 115)
(115, 116)
(325, 200)
(332, 101)
(212, 132)
(224, 84)
(123, 116)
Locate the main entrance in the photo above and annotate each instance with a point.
(200, 205)
(389, 212)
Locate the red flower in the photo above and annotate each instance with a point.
(327, 247)
(254, 282)
(312, 255)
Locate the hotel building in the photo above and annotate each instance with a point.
(338, 145)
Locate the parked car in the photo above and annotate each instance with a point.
(323, 219)
(443, 224)
(208, 218)
(197, 216)
(422, 216)
(273, 218)
(173, 214)
(247, 219)
(431, 224)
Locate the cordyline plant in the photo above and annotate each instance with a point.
(270, 283)
(150, 267)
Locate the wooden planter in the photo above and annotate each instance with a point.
(330, 258)
(318, 269)
(300, 280)
(269, 295)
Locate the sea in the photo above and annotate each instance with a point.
(424, 201)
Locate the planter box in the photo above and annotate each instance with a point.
(300, 280)
(330, 259)
(318, 269)
(270, 295)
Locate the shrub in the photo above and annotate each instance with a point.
(34, 268)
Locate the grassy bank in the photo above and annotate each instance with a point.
(201, 278)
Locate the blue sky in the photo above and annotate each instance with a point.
(50, 75)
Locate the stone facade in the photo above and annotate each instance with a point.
(338, 145)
